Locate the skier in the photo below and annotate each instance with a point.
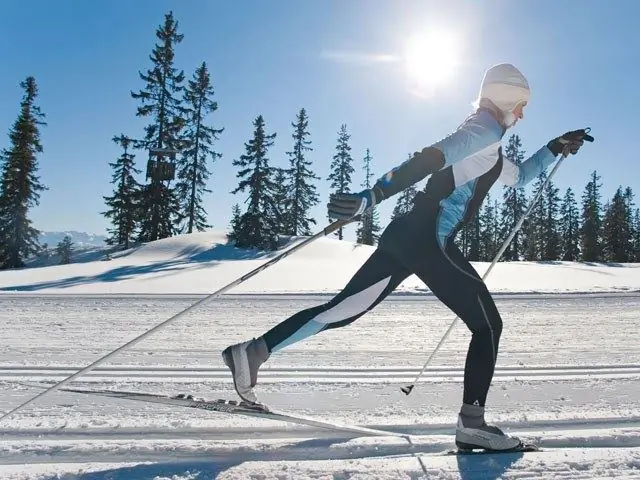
(463, 167)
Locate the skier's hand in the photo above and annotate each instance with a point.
(570, 142)
(343, 206)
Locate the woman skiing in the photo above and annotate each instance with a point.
(463, 167)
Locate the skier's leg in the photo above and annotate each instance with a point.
(377, 277)
(456, 283)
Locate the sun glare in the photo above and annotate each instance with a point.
(431, 60)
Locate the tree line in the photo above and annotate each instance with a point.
(179, 147)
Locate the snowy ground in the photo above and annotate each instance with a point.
(568, 376)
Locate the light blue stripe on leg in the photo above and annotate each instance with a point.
(308, 329)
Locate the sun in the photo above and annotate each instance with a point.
(431, 60)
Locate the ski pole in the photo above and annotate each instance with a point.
(407, 389)
(327, 231)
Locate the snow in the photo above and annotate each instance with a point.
(568, 374)
(201, 263)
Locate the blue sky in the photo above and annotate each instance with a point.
(272, 58)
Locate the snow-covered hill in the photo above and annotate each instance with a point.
(201, 263)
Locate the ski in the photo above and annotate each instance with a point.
(522, 448)
(227, 406)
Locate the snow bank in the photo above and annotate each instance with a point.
(201, 263)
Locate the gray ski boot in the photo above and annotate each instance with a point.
(473, 433)
(244, 360)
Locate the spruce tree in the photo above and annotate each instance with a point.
(489, 230)
(64, 249)
(258, 226)
(20, 185)
(282, 200)
(341, 167)
(369, 229)
(636, 236)
(123, 204)
(404, 204)
(193, 168)
(514, 204)
(551, 231)
(236, 214)
(535, 230)
(569, 227)
(162, 101)
(303, 194)
(591, 225)
(617, 235)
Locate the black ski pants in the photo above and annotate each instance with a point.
(409, 246)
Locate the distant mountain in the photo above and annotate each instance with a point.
(79, 239)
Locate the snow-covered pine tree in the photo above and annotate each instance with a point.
(404, 204)
(198, 153)
(258, 226)
(303, 194)
(341, 167)
(64, 249)
(369, 228)
(591, 225)
(514, 204)
(161, 99)
(20, 185)
(123, 204)
(569, 227)
(616, 231)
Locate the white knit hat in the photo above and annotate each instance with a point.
(505, 86)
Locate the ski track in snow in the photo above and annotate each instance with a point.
(568, 377)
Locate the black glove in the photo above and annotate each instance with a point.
(343, 206)
(570, 141)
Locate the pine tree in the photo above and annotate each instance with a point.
(64, 249)
(193, 169)
(258, 226)
(617, 234)
(162, 101)
(341, 167)
(569, 227)
(489, 230)
(535, 241)
(629, 204)
(236, 214)
(514, 204)
(591, 227)
(404, 204)
(302, 191)
(368, 231)
(123, 203)
(636, 235)
(282, 200)
(20, 184)
(550, 229)
(475, 246)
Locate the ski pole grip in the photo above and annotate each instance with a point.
(588, 137)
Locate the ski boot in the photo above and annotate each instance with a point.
(473, 433)
(244, 360)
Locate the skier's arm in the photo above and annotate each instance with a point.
(520, 175)
(478, 132)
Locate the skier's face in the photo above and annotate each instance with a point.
(518, 112)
